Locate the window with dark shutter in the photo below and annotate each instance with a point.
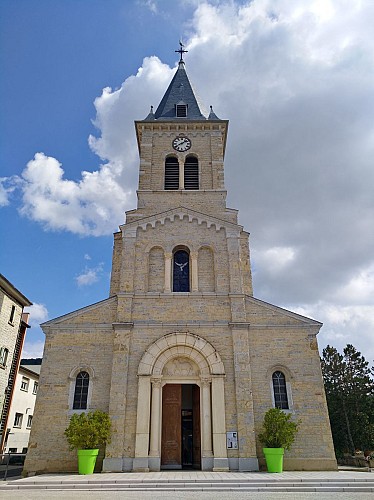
(171, 173)
(181, 110)
(191, 173)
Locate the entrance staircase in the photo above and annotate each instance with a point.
(200, 481)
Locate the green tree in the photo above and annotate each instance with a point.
(350, 398)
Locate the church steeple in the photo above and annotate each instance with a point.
(179, 101)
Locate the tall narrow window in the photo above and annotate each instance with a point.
(191, 173)
(12, 314)
(280, 390)
(181, 271)
(3, 356)
(171, 173)
(81, 391)
(25, 384)
(18, 420)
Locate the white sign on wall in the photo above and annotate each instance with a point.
(232, 440)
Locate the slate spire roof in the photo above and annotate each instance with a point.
(179, 93)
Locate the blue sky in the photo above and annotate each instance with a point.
(294, 78)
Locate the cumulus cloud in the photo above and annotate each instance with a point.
(94, 205)
(38, 314)
(7, 186)
(3, 193)
(89, 276)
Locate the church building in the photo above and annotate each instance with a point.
(182, 356)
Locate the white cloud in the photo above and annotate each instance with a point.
(353, 324)
(3, 193)
(38, 314)
(87, 257)
(32, 349)
(275, 259)
(89, 276)
(7, 186)
(151, 5)
(94, 205)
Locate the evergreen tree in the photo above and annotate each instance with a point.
(350, 398)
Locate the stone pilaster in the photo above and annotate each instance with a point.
(118, 398)
(244, 400)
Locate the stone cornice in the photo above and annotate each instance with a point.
(180, 213)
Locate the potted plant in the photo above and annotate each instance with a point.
(85, 433)
(278, 434)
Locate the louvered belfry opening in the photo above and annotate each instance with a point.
(191, 173)
(181, 110)
(171, 173)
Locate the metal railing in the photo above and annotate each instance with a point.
(11, 465)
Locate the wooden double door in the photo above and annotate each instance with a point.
(180, 439)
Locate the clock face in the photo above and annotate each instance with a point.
(181, 144)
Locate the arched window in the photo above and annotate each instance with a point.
(181, 271)
(171, 173)
(191, 173)
(81, 391)
(280, 390)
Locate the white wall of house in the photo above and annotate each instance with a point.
(22, 408)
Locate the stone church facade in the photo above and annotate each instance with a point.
(182, 355)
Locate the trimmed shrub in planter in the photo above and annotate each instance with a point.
(85, 433)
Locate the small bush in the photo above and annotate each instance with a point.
(87, 431)
(278, 430)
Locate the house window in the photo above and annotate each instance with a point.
(11, 319)
(12, 450)
(280, 390)
(3, 356)
(81, 391)
(181, 110)
(35, 388)
(18, 420)
(29, 421)
(24, 450)
(25, 384)
(181, 271)
(191, 173)
(171, 173)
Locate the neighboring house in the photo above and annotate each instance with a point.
(22, 408)
(13, 325)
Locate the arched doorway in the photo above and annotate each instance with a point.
(179, 362)
(180, 436)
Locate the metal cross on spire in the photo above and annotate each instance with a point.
(181, 51)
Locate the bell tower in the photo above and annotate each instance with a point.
(181, 170)
(181, 153)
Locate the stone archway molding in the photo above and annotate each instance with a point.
(179, 344)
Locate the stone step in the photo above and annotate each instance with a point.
(277, 485)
